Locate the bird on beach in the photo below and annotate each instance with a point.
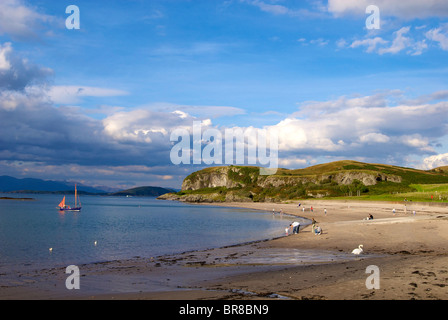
(358, 250)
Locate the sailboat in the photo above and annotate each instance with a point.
(63, 207)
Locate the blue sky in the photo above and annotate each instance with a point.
(97, 104)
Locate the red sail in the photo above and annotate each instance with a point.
(62, 204)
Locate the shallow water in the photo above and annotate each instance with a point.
(122, 228)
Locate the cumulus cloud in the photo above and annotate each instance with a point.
(146, 126)
(16, 73)
(22, 22)
(369, 126)
(37, 135)
(435, 161)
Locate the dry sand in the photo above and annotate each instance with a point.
(409, 250)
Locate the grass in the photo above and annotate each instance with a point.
(415, 185)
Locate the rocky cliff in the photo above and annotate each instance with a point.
(234, 177)
(341, 178)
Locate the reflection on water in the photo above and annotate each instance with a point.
(112, 228)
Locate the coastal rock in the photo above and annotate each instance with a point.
(341, 178)
(233, 177)
(218, 177)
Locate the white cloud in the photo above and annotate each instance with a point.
(146, 126)
(5, 50)
(274, 8)
(367, 126)
(371, 43)
(401, 42)
(16, 73)
(374, 138)
(20, 21)
(211, 111)
(435, 161)
(74, 94)
(321, 42)
(439, 35)
(292, 162)
(271, 8)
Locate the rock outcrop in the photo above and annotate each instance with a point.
(340, 178)
(228, 177)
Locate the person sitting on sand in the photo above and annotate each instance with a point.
(318, 231)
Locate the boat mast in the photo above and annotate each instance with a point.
(75, 195)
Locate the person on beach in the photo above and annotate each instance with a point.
(295, 227)
(325, 211)
(317, 231)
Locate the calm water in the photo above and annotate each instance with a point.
(122, 227)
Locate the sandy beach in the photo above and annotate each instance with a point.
(408, 249)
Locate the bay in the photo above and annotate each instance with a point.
(114, 228)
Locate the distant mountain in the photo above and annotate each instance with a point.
(143, 192)
(10, 184)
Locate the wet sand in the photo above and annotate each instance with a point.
(409, 250)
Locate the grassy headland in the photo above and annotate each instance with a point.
(341, 179)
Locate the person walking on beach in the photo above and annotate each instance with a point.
(325, 211)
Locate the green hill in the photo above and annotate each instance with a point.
(335, 179)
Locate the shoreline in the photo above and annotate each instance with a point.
(17, 199)
(408, 249)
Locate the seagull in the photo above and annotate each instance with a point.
(358, 250)
(51, 249)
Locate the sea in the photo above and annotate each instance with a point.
(116, 228)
